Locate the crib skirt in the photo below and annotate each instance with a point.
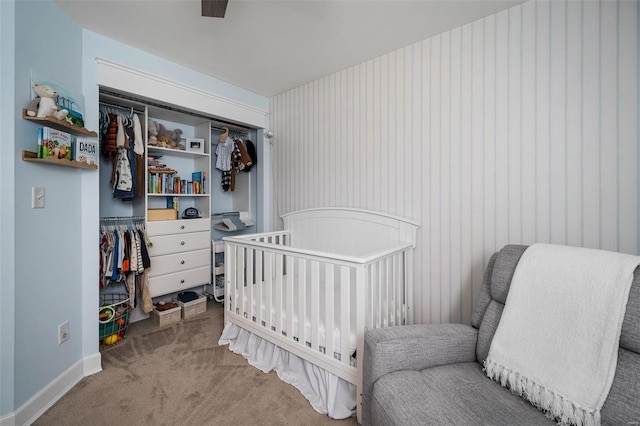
(327, 393)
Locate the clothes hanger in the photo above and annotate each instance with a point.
(223, 136)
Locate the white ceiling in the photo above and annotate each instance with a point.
(270, 46)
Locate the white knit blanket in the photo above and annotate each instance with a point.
(557, 341)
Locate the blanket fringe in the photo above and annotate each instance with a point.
(553, 405)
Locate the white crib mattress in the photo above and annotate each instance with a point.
(327, 393)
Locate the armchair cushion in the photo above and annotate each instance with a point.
(453, 394)
(421, 347)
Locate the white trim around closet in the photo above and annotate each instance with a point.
(130, 80)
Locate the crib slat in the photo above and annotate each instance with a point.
(395, 289)
(231, 285)
(329, 309)
(392, 291)
(408, 278)
(370, 303)
(268, 289)
(240, 253)
(315, 303)
(381, 286)
(345, 303)
(361, 290)
(302, 276)
(375, 290)
(256, 303)
(384, 280)
(250, 280)
(290, 297)
(278, 289)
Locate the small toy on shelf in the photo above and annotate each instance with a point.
(168, 138)
(152, 132)
(46, 105)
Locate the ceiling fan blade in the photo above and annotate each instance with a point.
(214, 8)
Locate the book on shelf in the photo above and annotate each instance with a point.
(199, 180)
(40, 139)
(204, 183)
(173, 203)
(84, 150)
(54, 143)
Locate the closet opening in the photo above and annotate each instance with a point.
(162, 182)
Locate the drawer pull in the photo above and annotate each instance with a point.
(181, 243)
(181, 281)
(182, 262)
(181, 226)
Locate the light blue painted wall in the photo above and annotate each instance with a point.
(56, 261)
(7, 155)
(49, 259)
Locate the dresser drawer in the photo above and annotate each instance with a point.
(171, 263)
(170, 283)
(177, 243)
(166, 227)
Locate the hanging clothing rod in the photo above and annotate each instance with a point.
(120, 107)
(122, 219)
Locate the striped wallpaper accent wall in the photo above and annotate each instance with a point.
(517, 128)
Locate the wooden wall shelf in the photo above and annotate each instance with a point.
(33, 157)
(60, 125)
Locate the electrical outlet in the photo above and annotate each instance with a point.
(63, 332)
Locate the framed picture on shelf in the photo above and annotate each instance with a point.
(194, 145)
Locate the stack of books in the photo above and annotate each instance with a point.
(161, 179)
(164, 180)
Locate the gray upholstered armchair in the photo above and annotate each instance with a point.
(433, 374)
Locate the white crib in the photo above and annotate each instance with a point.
(313, 288)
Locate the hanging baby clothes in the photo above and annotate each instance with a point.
(224, 152)
(251, 150)
(236, 165)
(123, 143)
(124, 259)
(244, 155)
(138, 149)
(123, 177)
(109, 148)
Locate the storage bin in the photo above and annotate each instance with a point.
(193, 308)
(162, 214)
(170, 316)
(113, 318)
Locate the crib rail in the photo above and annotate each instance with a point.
(314, 304)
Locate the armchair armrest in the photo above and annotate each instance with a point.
(413, 347)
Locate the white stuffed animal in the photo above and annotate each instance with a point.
(46, 104)
(152, 132)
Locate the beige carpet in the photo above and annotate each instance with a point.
(178, 375)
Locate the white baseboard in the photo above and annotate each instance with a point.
(50, 394)
(8, 420)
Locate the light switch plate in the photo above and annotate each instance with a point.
(37, 197)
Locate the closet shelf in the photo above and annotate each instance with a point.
(60, 125)
(177, 152)
(153, 194)
(33, 157)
